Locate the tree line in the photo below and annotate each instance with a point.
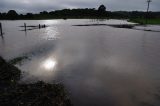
(101, 12)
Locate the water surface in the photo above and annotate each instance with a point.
(99, 65)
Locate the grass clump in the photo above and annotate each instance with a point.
(37, 94)
(18, 60)
(8, 73)
(152, 21)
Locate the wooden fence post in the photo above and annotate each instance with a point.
(1, 31)
(25, 27)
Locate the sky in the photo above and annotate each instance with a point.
(35, 6)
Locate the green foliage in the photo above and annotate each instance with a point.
(12, 14)
(152, 21)
(57, 14)
(102, 8)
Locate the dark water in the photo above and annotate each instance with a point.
(99, 65)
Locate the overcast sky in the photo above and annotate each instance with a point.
(23, 6)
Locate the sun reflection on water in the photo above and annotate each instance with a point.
(49, 64)
(51, 22)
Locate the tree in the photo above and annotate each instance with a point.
(0, 16)
(44, 13)
(102, 11)
(12, 14)
(102, 8)
(29, 15)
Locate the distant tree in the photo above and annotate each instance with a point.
(102, 11)
(44, 12)
(102, 8)
(21, 16)
(51, 12)
(12, 14)
(29, 15)
(0, 16)
(4, 15)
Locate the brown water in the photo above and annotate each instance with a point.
(99, 65)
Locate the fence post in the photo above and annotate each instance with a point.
(1, 31)
(39, 26)
(25, 27)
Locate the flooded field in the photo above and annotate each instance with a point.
(99, 65)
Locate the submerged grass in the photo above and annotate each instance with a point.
(142, 21)
(8, 73)
(18, 60)
(38, 94)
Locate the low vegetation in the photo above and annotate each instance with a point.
(153, 21)
(18, 60)
(8, 73)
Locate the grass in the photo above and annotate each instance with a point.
(8, 73)
(18, 60)
(13, 93)
(155, 21)
(37, 94)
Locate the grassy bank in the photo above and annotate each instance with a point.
(155, 21)
(38, 94)
(18, 60)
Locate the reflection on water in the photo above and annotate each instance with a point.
(99, 65)
(49, 64)
(2, 39)
(51, 22)
(52, 33)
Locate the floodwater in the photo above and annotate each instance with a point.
(99, 65)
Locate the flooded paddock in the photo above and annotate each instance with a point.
(99, 65)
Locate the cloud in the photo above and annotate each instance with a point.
(24, 6)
